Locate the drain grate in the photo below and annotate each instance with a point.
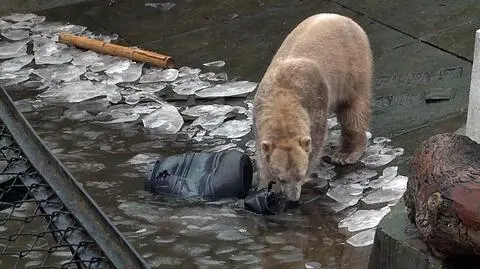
(46, 219)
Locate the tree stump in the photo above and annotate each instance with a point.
(443, 195)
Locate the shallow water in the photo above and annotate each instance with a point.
(107, 137)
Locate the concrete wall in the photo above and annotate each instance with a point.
(473, 118)
(23, 6)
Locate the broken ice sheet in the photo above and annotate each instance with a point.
(190, 87)
(220, 77)
(64, 72)
(393, 191)
(363, 219)
(165, 120)
(15, 49)
(202, 110)
(8, 79)
(233, 129)
(18, 17)
(155, 75)
(215, 64)
(15, 35)
(125, 71)
(117, 114)
(105, 62)
(392, 151)
(149, 87)
(187, 71)
(114, 96)
(55, 28)
(389, 173)
(377, 160)
(152, 75)
(76, 91)
(85, 58)
(15, 64)
(362, 239)
(54, 59)
(44, 46)
(132, 99)
(228, 89)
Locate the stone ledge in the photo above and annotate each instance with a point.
(397, 244)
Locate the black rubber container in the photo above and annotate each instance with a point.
(211, 176)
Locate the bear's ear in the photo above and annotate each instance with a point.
(305, 142)
(267, 148)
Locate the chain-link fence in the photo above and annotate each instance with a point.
(37, 228)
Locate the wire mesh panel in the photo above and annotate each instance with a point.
(36, 230)
(46, 219)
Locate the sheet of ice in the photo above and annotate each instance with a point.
(363, 219)
(125, 71)
(220, 77)
(15, 35)
(18, 17)
(360, 175)
(132, 99)
(388, 174)
(8, 79)
(15, 49)
(165, 120)
(233, 129)
(165, 6)
(187, 71)
(114, 96)
(202, 110)
(54, 59)
(146, 108)
(15, 64)
(44, 46)
(190, 87)
(228, 89)
(219, 63)
(95, 76)
(388, 193)
(117, 114)
(54, 28)
(76, 91)
(392, 151)
(64, 72)
(377, 160)
(105, 62)
(362, 239)
(85, 58)
(381, 140)
(345, 194)
(149, 87)
(104, 38)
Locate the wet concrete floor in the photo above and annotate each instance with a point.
(422, 50)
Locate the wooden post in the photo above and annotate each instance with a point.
(473, 118)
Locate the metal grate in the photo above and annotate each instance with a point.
(36, 230)
(46, 219)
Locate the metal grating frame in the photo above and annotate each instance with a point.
(46, 219)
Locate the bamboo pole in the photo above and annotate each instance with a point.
(117, 50)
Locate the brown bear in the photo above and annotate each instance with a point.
(324, 66)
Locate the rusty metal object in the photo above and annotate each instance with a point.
(72, 217)
(135, 54)
(443, 194)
